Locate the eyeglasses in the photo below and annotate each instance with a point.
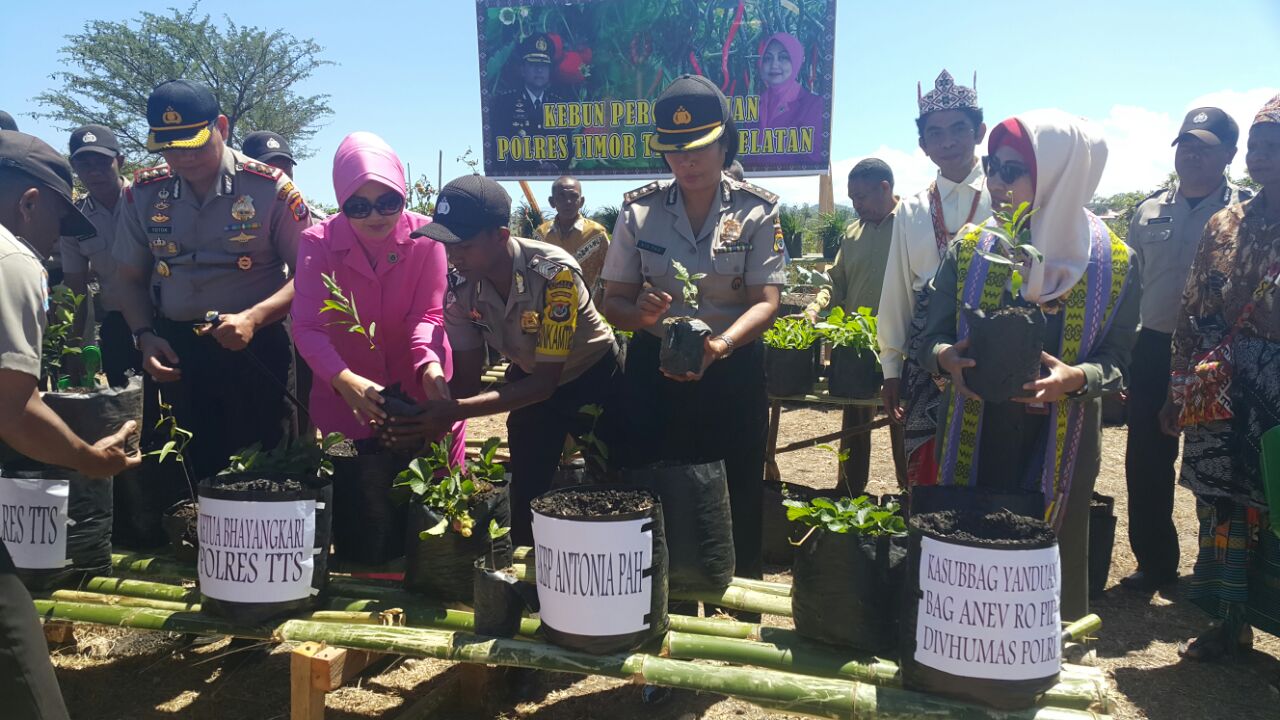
(1007, 172)
(388, 203)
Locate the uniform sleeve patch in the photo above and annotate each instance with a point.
(297, 206)
(545, 266)
(559, 316)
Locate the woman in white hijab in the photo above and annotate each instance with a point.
(1049, 441)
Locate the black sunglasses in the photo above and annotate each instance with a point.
(388, 203)
(1008, 172)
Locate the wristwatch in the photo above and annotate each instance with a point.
(728, 341)
(137, 336)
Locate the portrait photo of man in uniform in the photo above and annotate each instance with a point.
(518, 113)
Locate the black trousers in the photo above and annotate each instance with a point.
(229, 400)
(28, 687)
(119, 356)
(1149, 458)
(856, 471)
(724, 416)
(536, 434)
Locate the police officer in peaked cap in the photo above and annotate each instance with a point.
(728, 230)
(205, 243)
(528, 300)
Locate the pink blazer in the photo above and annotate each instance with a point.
(403, 299)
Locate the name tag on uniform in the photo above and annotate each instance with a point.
(1160, 220)
(650, 247)
(159, 229)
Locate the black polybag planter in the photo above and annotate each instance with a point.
(1006, 345)
(500, 600)
(87, 526)
(368, 524)
(251, 613)
(92, 416)
(181, 533)
(846, 589)
(696, 520)
(777, 532)
(1002, 531)
(683, 345)
(557, 577)
(442, 566)
(1102, 540)
(788, 372)
(854, 373)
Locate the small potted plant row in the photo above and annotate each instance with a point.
(788, 356)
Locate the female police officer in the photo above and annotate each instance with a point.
(729, 230)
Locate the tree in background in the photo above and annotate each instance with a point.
(113, 66)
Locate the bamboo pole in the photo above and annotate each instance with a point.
(142, 589)
(818, 697)
(737, 598)
(80, 596)
(1079, 688)
(146, 618)
(139, 564)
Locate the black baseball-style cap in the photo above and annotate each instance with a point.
(94, 139)
(265, 146)
(179, 113)
(690, 114)
(7, 122)
(1211, 125)
(466, 206)
(32, 156)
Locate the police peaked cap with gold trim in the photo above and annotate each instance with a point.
(180, 113)
(690, 114)
(537, 48)
(947, 95)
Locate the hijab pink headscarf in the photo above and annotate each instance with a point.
(777, 98)
(362, 157)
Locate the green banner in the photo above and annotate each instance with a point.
(569, 86)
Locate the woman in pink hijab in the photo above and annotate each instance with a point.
(397, 284)
(783, 103)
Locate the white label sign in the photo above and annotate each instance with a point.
(33, 522)
(592, 577)
(256, 551)
(989, 614)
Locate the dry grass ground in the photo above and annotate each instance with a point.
(134, 675)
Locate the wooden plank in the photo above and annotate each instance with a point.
(59, 632)
(477, 684)
(305, 701)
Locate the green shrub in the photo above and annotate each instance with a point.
(791, 333)
(856, 330)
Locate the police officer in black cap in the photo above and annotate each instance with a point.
(35, 208)
(528, 300)
(270, 148)
(517, 116)
(1165, 232)
(97, 160)
(728, 230)
(205, 243)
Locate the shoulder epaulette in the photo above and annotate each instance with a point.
(266, 171)
(1159, 191)
(759, 192)
(151, 174)
(545, 266)
(641, 192)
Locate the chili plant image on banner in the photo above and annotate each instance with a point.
(569, 86)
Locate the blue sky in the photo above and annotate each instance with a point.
(408, 71)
